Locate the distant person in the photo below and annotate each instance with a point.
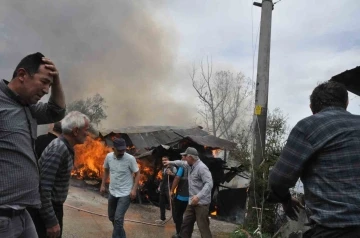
(181, 197)
(324, 151)
(44, 140)
(168, 175)
(124, 180)
(20, 113)
(200, 185)
(55, 164)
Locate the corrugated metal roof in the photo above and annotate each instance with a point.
(212, 141)
(152, 136)
(144, 129)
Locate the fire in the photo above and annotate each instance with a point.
(216, 152)
(89, 161)
(89, 158)
(146, 172)
(159, 175)
(214, 213)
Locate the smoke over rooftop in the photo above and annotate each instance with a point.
(119, 49)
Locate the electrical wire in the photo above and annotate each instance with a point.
(130, 220)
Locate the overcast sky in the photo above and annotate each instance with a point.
(138, 54)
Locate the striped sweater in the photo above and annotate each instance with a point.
(56, 163)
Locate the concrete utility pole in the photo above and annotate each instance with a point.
(262, 82)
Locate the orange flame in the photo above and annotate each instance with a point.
(214, 213)
(89, 158)
(216, 152)
(89, 161)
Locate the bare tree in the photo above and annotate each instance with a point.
(221, 95)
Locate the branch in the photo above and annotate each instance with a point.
(199, 90)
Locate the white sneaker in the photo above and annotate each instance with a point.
(159, 221)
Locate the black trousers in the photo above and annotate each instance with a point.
(324, 232)
(178, 213)
(40, 225)
(163, 200)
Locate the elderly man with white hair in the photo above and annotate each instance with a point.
(200, 185)
(55, 165)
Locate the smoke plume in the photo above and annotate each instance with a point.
(119, 49)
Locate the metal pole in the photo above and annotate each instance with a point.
(262, 82)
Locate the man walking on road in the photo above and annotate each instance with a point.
(181, 198)
(121, 167)
(168, 175)
(55, 165)
(200, 185)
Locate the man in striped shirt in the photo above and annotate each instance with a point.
(55, 164)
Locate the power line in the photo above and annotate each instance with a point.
(277, 1)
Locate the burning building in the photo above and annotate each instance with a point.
(149, 144)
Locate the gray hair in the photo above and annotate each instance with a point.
(72, 120)
(194, 157)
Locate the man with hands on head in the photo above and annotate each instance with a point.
(20, 113)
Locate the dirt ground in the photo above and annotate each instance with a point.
(93, 222)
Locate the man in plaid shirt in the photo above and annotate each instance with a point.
(324, 151)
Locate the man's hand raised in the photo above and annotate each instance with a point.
(53, 70)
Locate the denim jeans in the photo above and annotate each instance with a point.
(117, 208)
(17, 226)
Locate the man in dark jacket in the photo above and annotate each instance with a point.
(44, 140)
(168, 175)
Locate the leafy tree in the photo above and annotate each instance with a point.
(94, 107)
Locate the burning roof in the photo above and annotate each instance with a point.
(143, 138)
(148, 144)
